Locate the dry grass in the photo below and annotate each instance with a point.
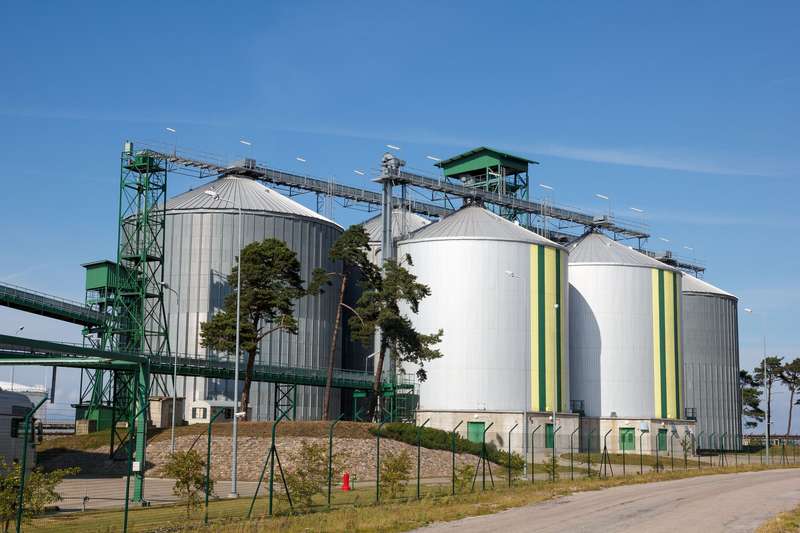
(355, 512)
(787, 522)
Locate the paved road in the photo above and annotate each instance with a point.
(728, 502)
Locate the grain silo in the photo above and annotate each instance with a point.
(711, 361)
(403, 223)
(625, 339)
(499, 292)
(200, 251)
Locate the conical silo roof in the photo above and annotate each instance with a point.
(374, 226)
(234, 192)
(474, 222)
(596, 248)
(695, 285)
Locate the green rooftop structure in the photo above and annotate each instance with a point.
(493, 171)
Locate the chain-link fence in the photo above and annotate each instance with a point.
(308, 466)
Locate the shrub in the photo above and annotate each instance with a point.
(464, 476)
(437, 439)
(395, 472)
(188, 469)
(551, 467)
(310, 474)
(40, 490)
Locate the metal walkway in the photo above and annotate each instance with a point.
(22, 351)
(49, 306)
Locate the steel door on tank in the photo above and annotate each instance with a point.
(627, 439)
(475, 431)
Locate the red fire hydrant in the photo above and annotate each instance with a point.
(346, 481)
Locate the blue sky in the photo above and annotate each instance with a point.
(686, 110)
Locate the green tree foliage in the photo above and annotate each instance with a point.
(551, 468)
(188, 470)
(350, 249)
(310, 475)
(761, 379)
(464, 476)
(379, 308)
(40, 491)
(395, 472)
(271, 284)
(751, 401)
(790, 376)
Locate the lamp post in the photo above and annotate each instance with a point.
(764, 367)
(175, 364)
(234, 454)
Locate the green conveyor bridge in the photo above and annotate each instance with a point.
(50, 306)
(23, 351)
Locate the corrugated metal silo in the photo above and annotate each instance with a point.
(625, 331)
(494, 288)
(201, 246)
(711, 359)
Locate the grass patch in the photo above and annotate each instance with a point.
(437, 439)
(354, 511)
(787, 522)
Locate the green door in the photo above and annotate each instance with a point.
(627, 439)
(662, 440)
(475, 431)
(548, 436)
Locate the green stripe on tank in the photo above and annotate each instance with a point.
(558, 330)
(542, 339)
(678, 369)
(662, 343)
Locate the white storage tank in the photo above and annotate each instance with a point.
(625, 331)
(201, 245)
(494, 289)
(711, 361)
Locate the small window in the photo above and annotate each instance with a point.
(16, 426)
(199, 412)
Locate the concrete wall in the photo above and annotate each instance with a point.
(593, 429)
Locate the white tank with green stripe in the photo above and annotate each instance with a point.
(494, 289)
(625, 337)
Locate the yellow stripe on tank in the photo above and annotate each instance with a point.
(656, 348)
(534, 327)
(550, 323)
(669, 315)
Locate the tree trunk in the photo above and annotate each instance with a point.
(248, 379)
(326, 402)
(791, 404)
(376, 386)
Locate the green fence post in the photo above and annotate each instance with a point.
(271, 460)
(208, 461)
(23, 466)
(131, 432)
(641, 452)
(419, 457)
(723, 461)
(697, 448)
(453, 449)
(672, 451)
(378, 464)
(555, 430)
(589, 453)
(330, 456)
(533, 454)
(484, 456)
(571, 470)
(509, 453)
(622, 438)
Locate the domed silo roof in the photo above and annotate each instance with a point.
(695, 285)
(234, 192)
(201, 246)
(374, 225)
(711, 359)
(474, 222)
(625, 331)
(596, 248)
(499, 292)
